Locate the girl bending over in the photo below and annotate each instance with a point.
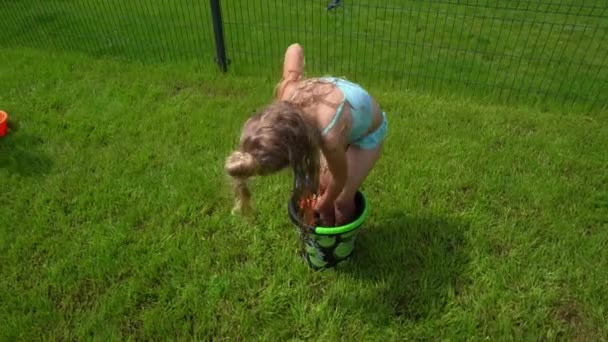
(327, 128)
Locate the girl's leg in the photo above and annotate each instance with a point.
(361, 162)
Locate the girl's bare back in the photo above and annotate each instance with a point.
(320, 101)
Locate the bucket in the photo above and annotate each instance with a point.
(3, 123)
(327, 247)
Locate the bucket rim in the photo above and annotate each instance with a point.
(321, 230)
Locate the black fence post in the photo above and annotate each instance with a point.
(218, 30)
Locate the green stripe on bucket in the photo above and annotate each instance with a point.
(347, 227)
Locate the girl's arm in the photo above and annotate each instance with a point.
(292, 68)
(335, 155)
(294, 62)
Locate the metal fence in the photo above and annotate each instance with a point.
(547, 50)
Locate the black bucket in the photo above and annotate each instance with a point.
(327, 247)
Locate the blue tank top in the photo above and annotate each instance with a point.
(361, 107)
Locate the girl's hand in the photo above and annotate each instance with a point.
(325, 209)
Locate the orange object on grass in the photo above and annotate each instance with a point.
(3, 123)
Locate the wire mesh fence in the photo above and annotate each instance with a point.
(145, 30)
(553, 50)
(517, 49)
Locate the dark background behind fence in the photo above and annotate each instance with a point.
(550, 50)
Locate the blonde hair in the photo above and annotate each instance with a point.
(278, 137)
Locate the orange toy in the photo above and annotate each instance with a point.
(307, 205)
(3, 123)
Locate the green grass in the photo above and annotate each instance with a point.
(486, 221)
(546, 52)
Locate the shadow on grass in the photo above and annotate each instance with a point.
(20, 154)
(414, 265)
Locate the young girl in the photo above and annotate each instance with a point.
(327, 128)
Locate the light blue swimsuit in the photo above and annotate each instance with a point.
(362, 114)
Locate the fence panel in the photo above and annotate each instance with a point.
(144, 30)
(553, 50)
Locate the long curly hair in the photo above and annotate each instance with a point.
(273, 139)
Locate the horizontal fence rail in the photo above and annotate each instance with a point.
(551, 50)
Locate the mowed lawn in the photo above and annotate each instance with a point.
(486, 221)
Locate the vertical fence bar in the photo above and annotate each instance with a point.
(218, 30)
